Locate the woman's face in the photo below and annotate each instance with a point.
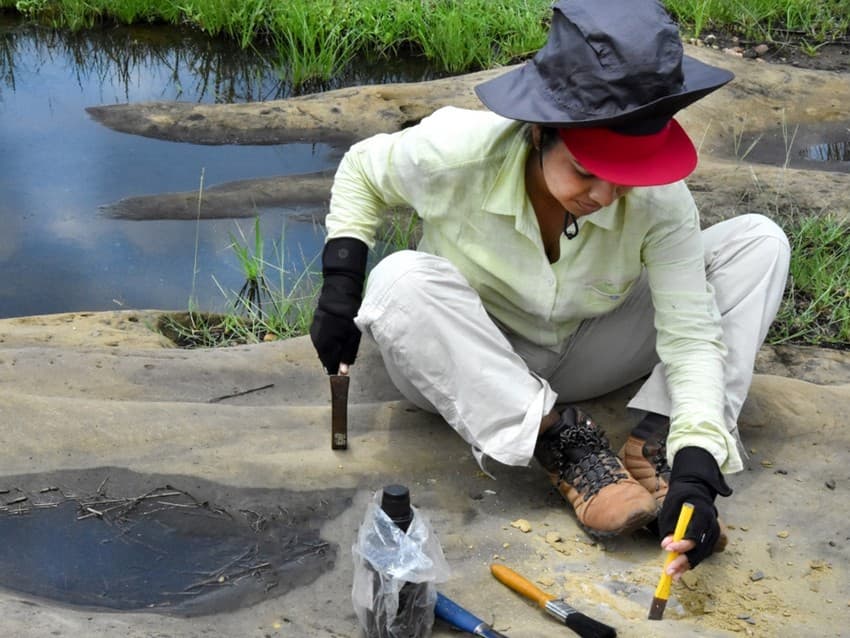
(576, 190)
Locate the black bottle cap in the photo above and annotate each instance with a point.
(395, 502)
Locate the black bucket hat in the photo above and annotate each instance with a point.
(606, 63)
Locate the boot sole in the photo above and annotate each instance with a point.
(635, 523)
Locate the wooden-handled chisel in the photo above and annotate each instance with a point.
(339, 411)
(448, 610)
(583, 625)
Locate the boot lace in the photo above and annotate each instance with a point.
(655, 451)
(584, 458)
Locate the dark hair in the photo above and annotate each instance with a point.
(548, 136)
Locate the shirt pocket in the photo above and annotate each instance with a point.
(603, 295)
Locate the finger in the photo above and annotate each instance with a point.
(680, 547)
(684, 545)
(678, 566)
(343, 368)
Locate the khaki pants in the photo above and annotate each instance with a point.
(446, 355)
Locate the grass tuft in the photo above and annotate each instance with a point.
(816, 307)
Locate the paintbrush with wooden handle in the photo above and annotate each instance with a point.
(584, 626)
(662, 592)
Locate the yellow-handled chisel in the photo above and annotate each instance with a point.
(662, 592)
(583, 625)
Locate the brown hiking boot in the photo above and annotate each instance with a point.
(644, 455)
(646, 460)
(581, 464)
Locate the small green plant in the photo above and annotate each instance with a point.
(286, 309)
(809, 48)
(250, 296)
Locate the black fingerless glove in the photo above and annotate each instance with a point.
(695, 479)
(334, 334)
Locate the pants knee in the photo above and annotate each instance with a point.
(753, 238)
(410, 278)
(772, 235)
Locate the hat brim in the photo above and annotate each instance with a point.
(609, 156)
(521, 95)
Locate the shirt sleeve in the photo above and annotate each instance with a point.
(365, 185)
(689, 331)
(415, 167)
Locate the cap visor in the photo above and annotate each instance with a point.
(674, 160)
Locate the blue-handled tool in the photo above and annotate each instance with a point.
(449, 611)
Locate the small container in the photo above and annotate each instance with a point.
(398, 560)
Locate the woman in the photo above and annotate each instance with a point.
(562, 258)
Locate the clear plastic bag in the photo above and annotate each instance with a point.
(395, 573)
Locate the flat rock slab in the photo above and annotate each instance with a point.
(94, 390)
(732, 126)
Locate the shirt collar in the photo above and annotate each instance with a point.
(507, 196)
(605, 217)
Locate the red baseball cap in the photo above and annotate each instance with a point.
(628, 159)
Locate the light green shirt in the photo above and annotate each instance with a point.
(464, 173)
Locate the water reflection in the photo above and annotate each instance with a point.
(57, 167)
(172, 63)
(181, 64)
(828, 152)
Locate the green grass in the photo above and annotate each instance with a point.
(771, 20)
(816, 306)
(317, 38)
(313, 41)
